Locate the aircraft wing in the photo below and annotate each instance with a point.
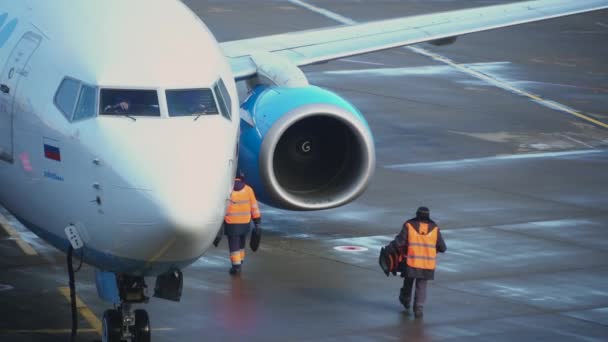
(320, 45)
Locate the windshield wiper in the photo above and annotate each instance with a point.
(199, 115)
(117, 110)
(129, 116)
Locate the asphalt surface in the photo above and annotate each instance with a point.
(516, 182)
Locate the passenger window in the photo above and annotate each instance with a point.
(225, 98)
(85, 108)
(188, 102)
(66, 95)
(129, 102)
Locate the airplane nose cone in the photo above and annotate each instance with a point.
(193, 209)
(185, 167)
(192, 200)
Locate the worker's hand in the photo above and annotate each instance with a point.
(124, 106)
(217, 240)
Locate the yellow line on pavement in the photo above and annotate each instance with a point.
(25, 247)
(585, 117)
(83, 310)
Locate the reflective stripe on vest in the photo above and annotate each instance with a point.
(243, 206)
(422, 250)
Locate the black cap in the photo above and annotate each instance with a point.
(423, 213)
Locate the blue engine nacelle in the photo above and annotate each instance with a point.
(304, 148)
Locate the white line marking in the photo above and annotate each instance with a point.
(540, 83)
(450, 163)
(361, 62)
(505, 86)
(331, 15)
(576, 140)
(491, 80)
(4, 287)
(428, 70)
(602, 24)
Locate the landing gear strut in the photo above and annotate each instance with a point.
(122, 323)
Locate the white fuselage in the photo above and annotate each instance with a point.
(145, 194)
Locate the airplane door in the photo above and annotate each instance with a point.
(14, 69)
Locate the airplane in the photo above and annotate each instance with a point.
(121, 129)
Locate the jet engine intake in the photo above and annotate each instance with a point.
(315, 149)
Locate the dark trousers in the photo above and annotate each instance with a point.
(420, 294)
(236, 245)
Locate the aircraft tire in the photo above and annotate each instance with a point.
(142, 326)
(112, 326)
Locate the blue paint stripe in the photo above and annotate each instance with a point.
(7, 31)
(3, 17)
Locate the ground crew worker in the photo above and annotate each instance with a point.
(422, 239)
(242, 208)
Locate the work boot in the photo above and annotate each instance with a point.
(235, 270)
(418, 312)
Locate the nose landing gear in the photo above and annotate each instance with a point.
(122, 323)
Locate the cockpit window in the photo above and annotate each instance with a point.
(224, 99)
(76, 100)
(221, 101)
(66, 96)
(129, 102)
(188, 102)
(85, 107)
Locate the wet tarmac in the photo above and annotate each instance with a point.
(517, 183)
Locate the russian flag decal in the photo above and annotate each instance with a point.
(52, 152)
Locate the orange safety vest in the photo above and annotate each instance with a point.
(243, 206)
(422, 247)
